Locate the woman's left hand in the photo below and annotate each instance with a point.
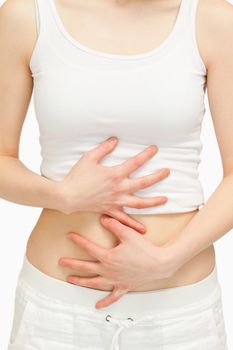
(133, 262)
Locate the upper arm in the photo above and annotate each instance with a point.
(219, 48)
(16, 83)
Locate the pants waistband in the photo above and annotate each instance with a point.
(135, 302)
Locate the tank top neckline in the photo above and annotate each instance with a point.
(168, 40)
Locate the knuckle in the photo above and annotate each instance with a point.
(81, 265)
(89, 155)
(144, 182)
(139, 203)
(136, 161)
(116, 191)
(105, 146)
(93, 283)
(88, 269)
(116, 174)
(107, 257)
(119, 203)
(72, 264)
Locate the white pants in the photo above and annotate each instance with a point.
(51, 314)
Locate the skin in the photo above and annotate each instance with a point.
(110, 255)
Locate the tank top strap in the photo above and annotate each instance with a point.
(37, 16)
(44, 20)
(192, 5)
(192, 9)
(187, 14)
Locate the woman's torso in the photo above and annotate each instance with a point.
(48, 242)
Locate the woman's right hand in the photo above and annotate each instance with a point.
(91, 186)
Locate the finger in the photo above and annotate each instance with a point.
(96, 282)
(134, 184)
(81, 265)
(103, 149)
(128, 221)
(135, 162)
(111, 298)
(91, 248)
(116, 227)
(144, 202)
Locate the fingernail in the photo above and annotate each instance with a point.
(167, 170)
(69, 234)
(70, 280)
(154, 147)
(112, 139)
(103, 218)
(143, 230)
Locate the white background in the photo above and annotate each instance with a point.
(17, 221)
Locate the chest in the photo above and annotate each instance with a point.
(159, 102)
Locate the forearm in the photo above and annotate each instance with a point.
(20, 185)
(213, 221)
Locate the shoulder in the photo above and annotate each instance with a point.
(215, 19)
(218, 15)
(16, 11)
(17, 24)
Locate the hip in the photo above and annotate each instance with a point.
(52, 314)
(48, 243)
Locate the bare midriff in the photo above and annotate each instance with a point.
(48, 242)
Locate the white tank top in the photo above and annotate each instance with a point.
(83, 96)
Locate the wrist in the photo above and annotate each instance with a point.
(178, 252)
(60, 198)
(171, 258)
(162, 263)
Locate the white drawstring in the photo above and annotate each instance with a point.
(129, 322)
